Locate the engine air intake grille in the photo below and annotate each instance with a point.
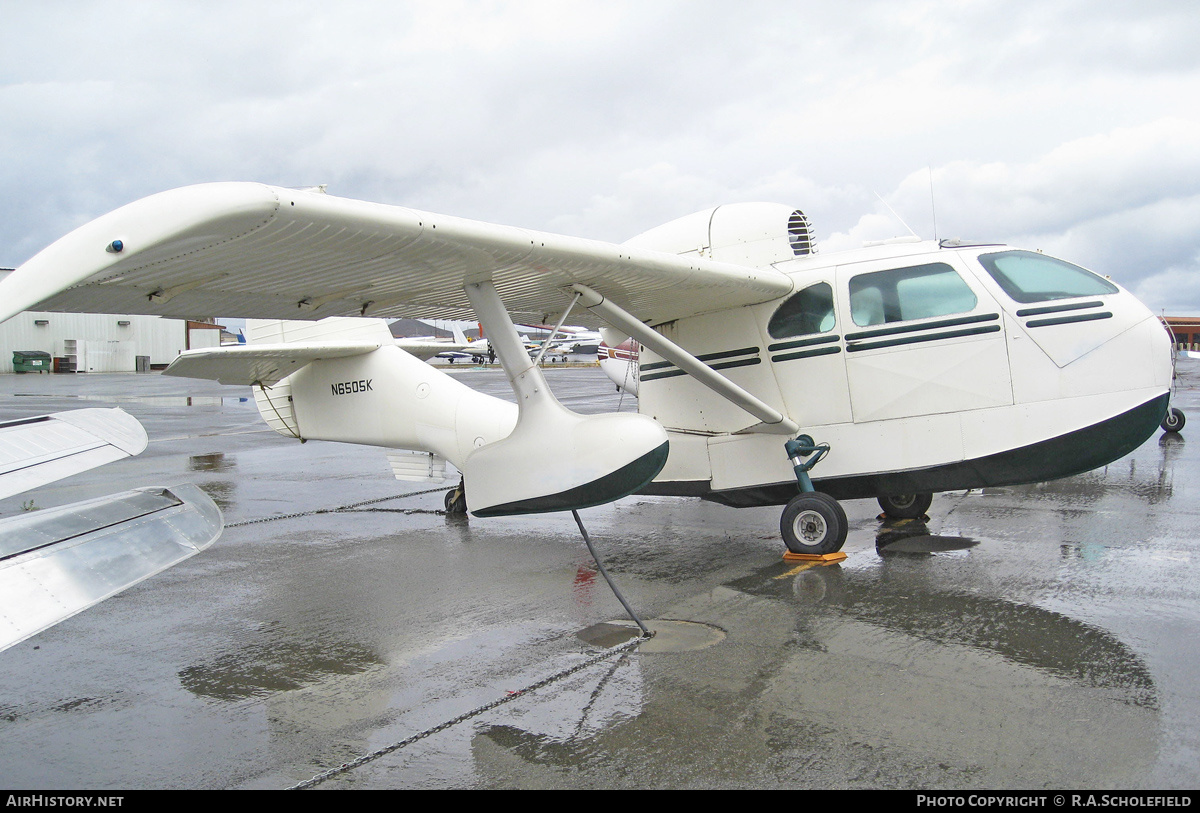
(800, 234)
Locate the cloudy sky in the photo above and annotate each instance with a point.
(1064, 125)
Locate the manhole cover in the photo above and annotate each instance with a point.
(669, 636)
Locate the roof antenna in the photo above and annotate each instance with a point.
(932, 204)
(893, 211)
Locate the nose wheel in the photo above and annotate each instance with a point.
(813, 523)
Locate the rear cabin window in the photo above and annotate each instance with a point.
(1027, 276)
(903, 294)
(810, 311)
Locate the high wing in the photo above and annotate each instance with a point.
(37, 451)
(245, 249)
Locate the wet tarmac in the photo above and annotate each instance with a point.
(1045, 636)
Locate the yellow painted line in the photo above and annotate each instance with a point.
(798, 569)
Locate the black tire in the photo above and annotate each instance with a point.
(906, 506)
(813, 523)
(456, 501)
(1174, 420)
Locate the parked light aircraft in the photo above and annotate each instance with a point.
(476, 349)
(918, 366)
(575, 341)
(619, 362)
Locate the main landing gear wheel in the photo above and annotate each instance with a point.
(456, 500)
(1174, 421)
(813, 523)
(906, 506)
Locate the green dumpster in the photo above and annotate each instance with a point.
(31, 361)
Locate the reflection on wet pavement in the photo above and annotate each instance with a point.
(914, 536)
(1041, 636)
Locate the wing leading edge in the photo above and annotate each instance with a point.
(245, 249)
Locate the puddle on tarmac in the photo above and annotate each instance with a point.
(218, 461)
(264, 669)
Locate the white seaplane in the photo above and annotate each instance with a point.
(905, 369)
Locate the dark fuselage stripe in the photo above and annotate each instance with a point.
(724, 366)
(891, 331)
(925, 337)
(724, 354)
(1066, 320)
(807, 354)
(655, 376)
(1078, 306)
(729, 354)
(802, 343)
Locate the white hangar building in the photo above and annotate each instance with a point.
(101, 343)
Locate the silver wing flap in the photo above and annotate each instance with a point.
(37, 451)
(57, 562)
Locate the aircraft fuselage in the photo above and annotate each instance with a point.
(926, 368)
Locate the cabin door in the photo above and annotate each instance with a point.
(920, 339)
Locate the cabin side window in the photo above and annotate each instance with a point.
(1027, 276)
(809, 311)
(903, 294)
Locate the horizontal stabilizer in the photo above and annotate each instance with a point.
(260, 363)
(41, 450)
(57, 562)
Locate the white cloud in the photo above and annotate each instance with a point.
(1125, 203)
(1048, 122)
(1174, 291)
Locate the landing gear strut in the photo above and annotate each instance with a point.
(812, 522)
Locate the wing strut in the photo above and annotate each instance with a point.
(773, 421)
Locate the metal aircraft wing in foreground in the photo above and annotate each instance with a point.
(56, 562)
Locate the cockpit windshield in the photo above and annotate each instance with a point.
(1027, 276)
